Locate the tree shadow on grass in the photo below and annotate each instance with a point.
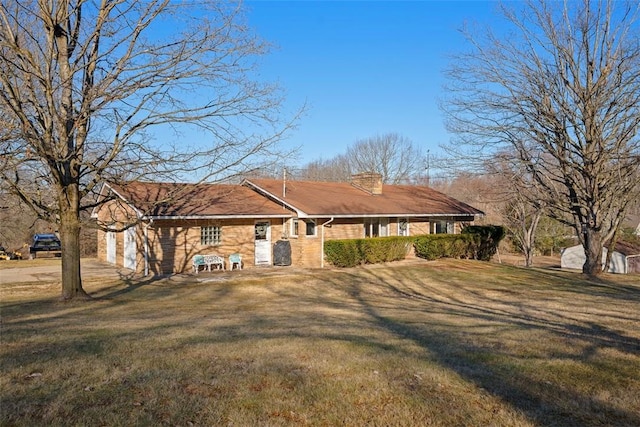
(494, 368)
(446, 319)
(128, 283)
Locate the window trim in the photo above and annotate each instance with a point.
(406, 227)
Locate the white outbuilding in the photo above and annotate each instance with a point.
(625, 258)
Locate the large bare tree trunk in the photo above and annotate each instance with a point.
(70, 240)
(593, 250)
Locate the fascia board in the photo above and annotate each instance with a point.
(94, 210)
(124, 200)
(190, 217)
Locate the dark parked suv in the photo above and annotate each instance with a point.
(45, 243)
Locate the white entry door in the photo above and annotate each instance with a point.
(130, 248)
(262, 243)
(111, 247)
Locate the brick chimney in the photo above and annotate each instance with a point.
(370, 182)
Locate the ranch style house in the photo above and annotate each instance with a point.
(157, 228)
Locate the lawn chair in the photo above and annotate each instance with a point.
(198, 261)
(235, 259)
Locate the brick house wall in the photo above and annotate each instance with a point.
(116, 215)
(418, 228)
(173, 243)
(306, 251)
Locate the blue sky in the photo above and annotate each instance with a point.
(363, 67)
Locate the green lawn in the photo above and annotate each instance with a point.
(415, 343)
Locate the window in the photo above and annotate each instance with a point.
(311, 227)
(261, 231)
(376, 227)
(210, 235)
(442, 227)
(403, 227)
(383, 226)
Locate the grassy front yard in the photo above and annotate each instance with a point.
(426, 343)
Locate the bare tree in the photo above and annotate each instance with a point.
(521, 206)
(562, 91)
(522, 218)
(392, 155)
(336, 169)
(88, 87)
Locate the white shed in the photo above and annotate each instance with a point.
(625, 259)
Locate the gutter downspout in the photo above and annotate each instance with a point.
(322, 242)
(146, 247)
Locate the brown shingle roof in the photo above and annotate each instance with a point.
(197, 200)
(343, 199)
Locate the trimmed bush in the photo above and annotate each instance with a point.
(384, 249)
(434, 246)
(475, 242)
(488, 239)
(352, 252)
(343, 253)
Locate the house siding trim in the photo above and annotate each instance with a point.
(138, 213)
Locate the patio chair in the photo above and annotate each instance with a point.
(197, 262)
(235, 259)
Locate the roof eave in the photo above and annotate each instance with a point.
(393, 215)
(192, 217)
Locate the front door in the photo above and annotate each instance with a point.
(130, 248)
(262, 243)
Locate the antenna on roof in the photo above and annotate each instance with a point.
(284, 182)
(428, 167)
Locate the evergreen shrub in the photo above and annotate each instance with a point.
(343, 253)
(434, 246)
(475, 242)
(352, 252)
(488, 238)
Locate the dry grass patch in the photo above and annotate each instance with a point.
(437, 343)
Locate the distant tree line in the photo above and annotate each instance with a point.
(398, 159)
